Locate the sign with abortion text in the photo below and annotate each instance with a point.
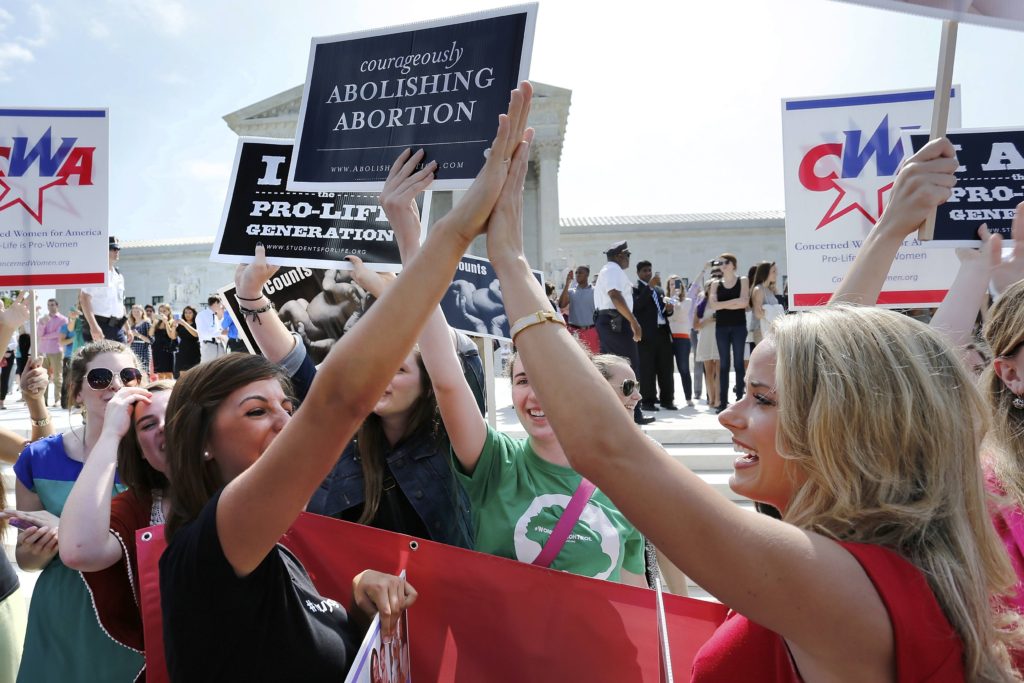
(312, 229)
(53, 197)
(437, 85)
(840, 157)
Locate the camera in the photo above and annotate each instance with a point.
(717, 263)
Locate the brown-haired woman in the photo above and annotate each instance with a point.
(165, 342)
(97, 534)
(188, 355)
(243, 469)
(64, 640)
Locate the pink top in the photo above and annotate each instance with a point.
(48, 333)
(927, 647)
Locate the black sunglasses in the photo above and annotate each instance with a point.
(628, 387)
(100, 378)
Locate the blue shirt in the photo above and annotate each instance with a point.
(229, 325)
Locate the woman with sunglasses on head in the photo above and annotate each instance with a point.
(244, 468)
(188, 354)
(97, 534)
(64, 642)
(863, 428)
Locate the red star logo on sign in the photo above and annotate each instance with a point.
(857, 194)
(27, 191)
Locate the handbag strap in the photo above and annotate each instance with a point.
(565, 523)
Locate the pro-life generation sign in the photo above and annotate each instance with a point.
(313, 229)
(989, 185)
(439, 85)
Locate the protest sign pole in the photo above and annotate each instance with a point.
(940, 110)
(492, 400)
(33, 323)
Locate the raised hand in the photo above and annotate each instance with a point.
(117, 419)
(16, 315)
(250, 277)
(471, 213)
(373, 282)
(35, 378)
(505, 225)
(1010, 269)
(924, 182)
(398, 197)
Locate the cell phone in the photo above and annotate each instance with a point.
(19, 523)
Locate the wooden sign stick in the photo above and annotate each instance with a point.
(940, 108)
(33, 324)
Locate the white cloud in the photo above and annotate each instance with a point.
(173, 78)
(166, 16)
(207, 170)
(98, 30)
(6, 18)
(10, 56)
(44, 26)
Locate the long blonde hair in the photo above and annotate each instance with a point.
(881, 415)
(1004, 333)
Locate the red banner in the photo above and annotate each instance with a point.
(479, 617)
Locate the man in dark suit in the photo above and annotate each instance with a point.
(655, 346)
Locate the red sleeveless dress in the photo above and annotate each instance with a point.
(927, 647)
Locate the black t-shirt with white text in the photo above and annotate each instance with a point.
(271, 625)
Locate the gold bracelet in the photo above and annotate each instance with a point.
(544, 316)
(41, 423)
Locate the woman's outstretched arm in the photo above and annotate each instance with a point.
(924, 182)
(259, 505)
(797, 583)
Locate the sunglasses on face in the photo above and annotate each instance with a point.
(628, 387)
(100, 378)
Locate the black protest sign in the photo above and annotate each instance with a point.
(314, 229)
(473, 302)
(320, 305)
(989, 184)
(436, 85)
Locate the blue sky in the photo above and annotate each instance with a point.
(673, 111)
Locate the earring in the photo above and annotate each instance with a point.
(1018, 402)
(207, 456)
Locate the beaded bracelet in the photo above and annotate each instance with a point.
(255, 313)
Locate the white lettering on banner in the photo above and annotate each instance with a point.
(272, 164)
(327, 211)
(399, 117)
(414, 86)
(290, 278)
(983, 194)
(1004, 157)
(449, 58)
(318, 232)
(473, 267)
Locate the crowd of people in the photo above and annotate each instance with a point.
(666, 320)
(895, 474)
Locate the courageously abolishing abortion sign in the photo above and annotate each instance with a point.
(437, 85)
(315, 229)
(53, 197)
(840, 157)
(989, 184)
(998, 13)
(474, 304)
